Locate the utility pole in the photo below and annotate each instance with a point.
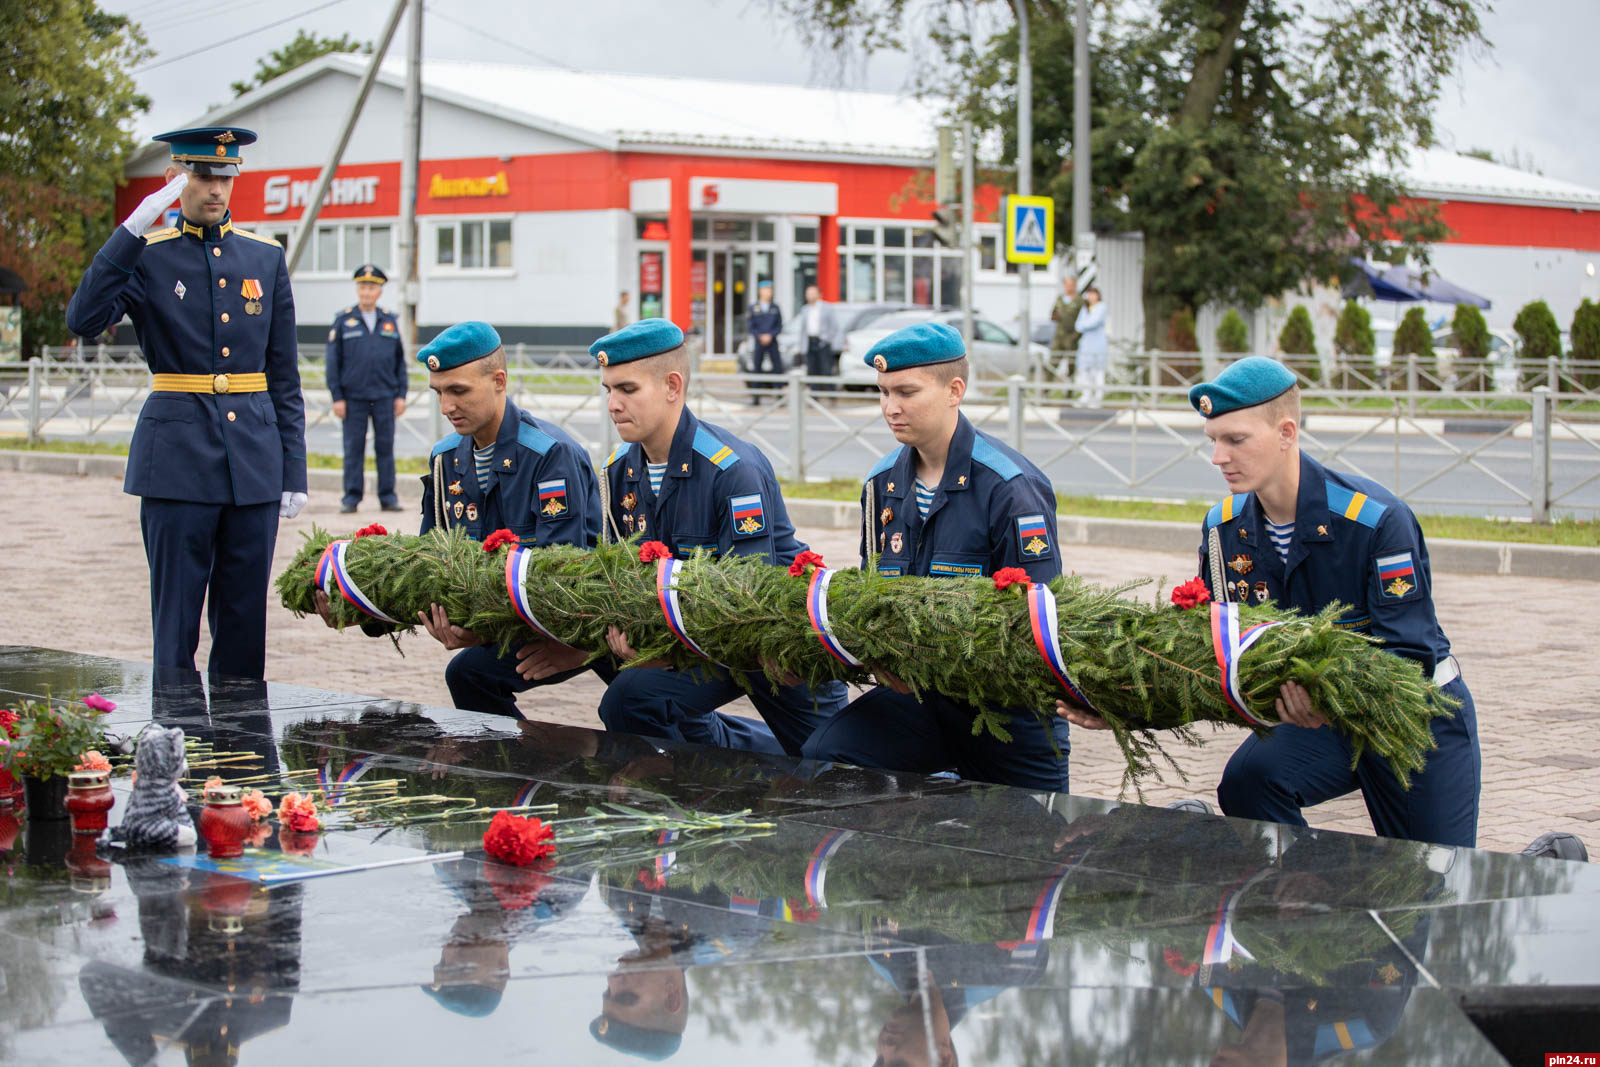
(410, 154)
(1024, 157)
(968, 267)
(308, 221)
(1080, 134)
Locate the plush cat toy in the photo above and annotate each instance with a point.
(157, 817)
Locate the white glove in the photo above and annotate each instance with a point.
(292, 503)
(154, 206)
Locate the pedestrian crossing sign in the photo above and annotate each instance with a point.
(1030, 229)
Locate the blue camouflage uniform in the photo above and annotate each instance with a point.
(210, 457)
(542, 488)
(1356, 543)
(720, 494)
(992, 509)
(367, 370)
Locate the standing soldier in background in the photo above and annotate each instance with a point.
(766, 322)
(219, 452)
(367, 377)
(1064, 342)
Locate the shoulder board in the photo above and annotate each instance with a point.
(986, 453)
(447, 443)
(161, 235)
(885, 463)
(617, 453)
(346, 311)
(1352, 505)
(1226, 509)
(530, 436)
(707, 444)
(273, 241)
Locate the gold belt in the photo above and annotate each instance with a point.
(209, 383)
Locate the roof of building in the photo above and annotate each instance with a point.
(610, 110)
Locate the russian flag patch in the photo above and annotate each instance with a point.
(553, 497)
(1397, 575)
(749, 518)
(1033, 535)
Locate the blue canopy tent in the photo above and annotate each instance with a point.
(1402, 284)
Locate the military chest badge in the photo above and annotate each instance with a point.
(388, 328)
(896, 543)
(1322, 531)
(459, 508)
(962, 481)
(627, 520)
(455, 487)
(629, 502)
(351, 322)
(1241, 564)
(472, 513)
(1397, 574)
(1261, 592)
(250, 289)
(553, 497)
(642, 523)
(180, 290)
(886, 516)
(891, 487)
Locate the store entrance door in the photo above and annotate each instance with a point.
(729, 300)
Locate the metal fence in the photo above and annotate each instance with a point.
(1529, 453)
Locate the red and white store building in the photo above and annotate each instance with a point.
(544, 193)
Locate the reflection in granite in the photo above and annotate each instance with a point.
(880, 916)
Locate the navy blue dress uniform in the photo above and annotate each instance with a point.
(992, 509)
(542, 488)
(765, 318)
(719, 494)
(221, 437)
(367, 370)
(1356, 543)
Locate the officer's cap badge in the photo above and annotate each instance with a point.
(433, 362)
(602, 358)
(1205, 405)
(880, 363)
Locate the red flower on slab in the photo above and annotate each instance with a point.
(516, 887)
(375, 530)
(1006, 577)
(256, 803)
(1191, 594)
(499, 539)
(298, 814)
(651, 551)
(518, 840)
(805, 559)
(92, 760)
(98, 703)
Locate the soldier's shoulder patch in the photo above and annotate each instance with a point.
(553, 498)
(157, 236)
(710, 446)
(1226, 509)
(1033, 535)
(616, 454)
(1397, 575)
(989, 454)
(749, 516)
(447, 443)
(1359, 507)
(261, 237)
(886, 462)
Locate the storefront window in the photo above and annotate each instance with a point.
(730, 229)
(327, 249)
(922, 238)
(765, 231)
(950, 281)
(922, 280)
(805, 235)
(894, 237)
(500, 243)
(697, 230)
(862, 235)
(380, 247)
(445, 249)
(894, 278)
(988, 252)
(864, 277)
(355, 246)
(472, 245)
(805, 273)
(650, 227)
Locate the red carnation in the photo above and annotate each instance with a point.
(1191, 594)
(498, 538)
(516, 887)
(8, 722)
(1009, 576)
(1175, 960)
(650, 879)
(518, 840)
(375, 530)
(805, 559)
(651, 551)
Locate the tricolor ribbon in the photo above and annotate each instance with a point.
(1047, 638)
(1220, 942)
(517, 562)
(817, 609)
(1230, 645)
(671, 610)
(525, 795)
(817, 869)
(332, 573)
(1042, 919)
(665, 860)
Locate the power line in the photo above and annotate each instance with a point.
(236, 37)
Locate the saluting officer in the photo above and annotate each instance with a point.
(692, 485)
(367, 377)
(950, 502)
(1301, 536)
(219, 453)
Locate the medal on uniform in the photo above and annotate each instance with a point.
(686, 468)
(459, 508)
(250, 289)
(1261, 592)
(472, 513)
(455, 488)
(891, 487)
(180, 290)
(896, 542)
(1322, 531)
(627, 520)
(886, 516)
(962, 481)
(629, 502)
(641, 524)
(881, 536)
(1241, 564)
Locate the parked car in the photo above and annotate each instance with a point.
(851, 316)
(993, 351)
(1502, 359)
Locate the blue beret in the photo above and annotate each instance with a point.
(461, 343)
(635, 1040)
(1251, 381)
(647, 337)
(921, 345)
(473, 1001)
(208, 150)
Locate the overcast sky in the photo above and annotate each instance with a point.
(1528, 95)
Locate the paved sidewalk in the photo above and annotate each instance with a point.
(75, 578)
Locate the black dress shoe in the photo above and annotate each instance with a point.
(347, 509)
(393, 507)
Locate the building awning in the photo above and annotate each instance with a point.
(1411, 283)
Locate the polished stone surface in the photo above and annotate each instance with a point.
(878, 915)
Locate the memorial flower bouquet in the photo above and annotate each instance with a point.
(44, 739)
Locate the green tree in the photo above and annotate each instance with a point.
(1180, 332)
(1232, 334)
(1353, 335)
(1246, 139)
(1298, 338)
(64, 109)
(303, 49)
(1472, 344)
(1412, 337)
(1537, 332)
(1586, 341)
